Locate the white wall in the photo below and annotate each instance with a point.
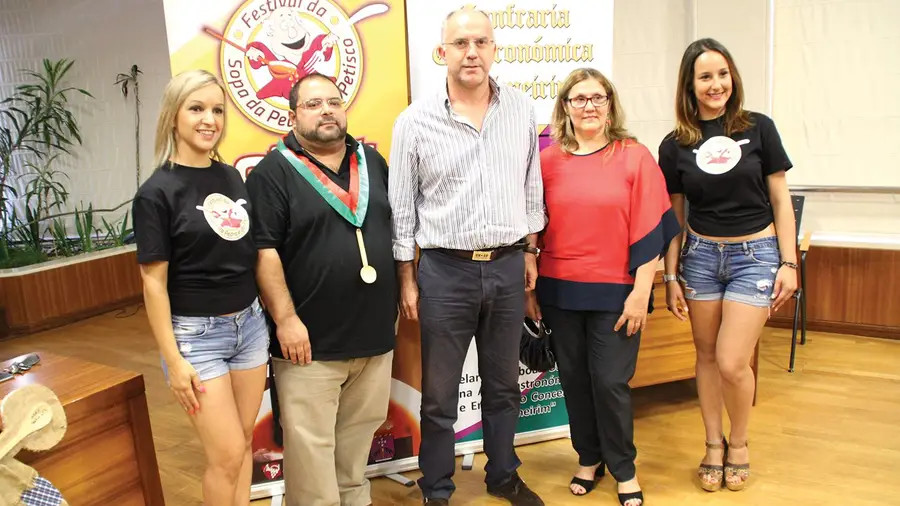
(104, 37)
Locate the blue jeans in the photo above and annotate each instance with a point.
(741, 271)
(216, 345)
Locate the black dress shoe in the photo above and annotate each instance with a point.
(436, 501)
(516, 492)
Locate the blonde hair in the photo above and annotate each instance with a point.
(176, 92)
(687, 124)
(562, 129)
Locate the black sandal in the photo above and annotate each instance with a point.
(630, 496)
(588, 485)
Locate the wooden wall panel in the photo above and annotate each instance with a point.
(850, 290)
(43, 299)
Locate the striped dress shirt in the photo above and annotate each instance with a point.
(453, 186)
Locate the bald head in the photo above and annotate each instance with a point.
(466, 16)
(467, 47)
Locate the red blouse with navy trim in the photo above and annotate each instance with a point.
(609, 213)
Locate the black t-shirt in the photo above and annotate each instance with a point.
(724, 179)
(198, 220)
(346, 317)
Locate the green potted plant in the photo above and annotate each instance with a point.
(36, 120)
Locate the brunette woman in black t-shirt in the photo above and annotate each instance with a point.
(738, 260)
(197, 258)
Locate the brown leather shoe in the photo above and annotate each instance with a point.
(516, 492)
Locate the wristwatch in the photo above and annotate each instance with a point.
(669, 277)
(534, 250)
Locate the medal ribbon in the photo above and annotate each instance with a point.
(353, 205)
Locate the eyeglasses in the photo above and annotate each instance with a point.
(463, 44)
(580, 102)
(316, 103)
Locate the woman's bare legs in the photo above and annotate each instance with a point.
(706, 318)
(248, 387)
(738, 335)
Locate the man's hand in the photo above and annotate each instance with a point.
(409, 290)
(294, 340)
(409, 300)
(531, 271)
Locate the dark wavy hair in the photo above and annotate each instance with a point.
(687, 124)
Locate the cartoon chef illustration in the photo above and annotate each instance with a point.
(291, 53)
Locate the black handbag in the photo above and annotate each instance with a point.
(535, 350)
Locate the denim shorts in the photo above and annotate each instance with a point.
(215, 345)
(741, 271)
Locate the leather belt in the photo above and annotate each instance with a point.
(485, 255)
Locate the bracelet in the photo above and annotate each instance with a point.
(792, 265)
(669, 277)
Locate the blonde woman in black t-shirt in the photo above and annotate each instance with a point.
(725, 169)
(197, 257)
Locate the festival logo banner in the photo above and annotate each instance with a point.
(260, 48)
(538, 44)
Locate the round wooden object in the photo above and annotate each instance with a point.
(15, 408)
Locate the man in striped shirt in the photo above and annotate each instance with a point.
(465, 186)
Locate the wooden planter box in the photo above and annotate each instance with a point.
(52, 294)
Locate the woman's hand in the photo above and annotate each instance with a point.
(675, 300)
(183, 379)
(785, 286)
(532, 308)
(635, 313)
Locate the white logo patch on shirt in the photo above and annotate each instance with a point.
(719, 154)
(227, 218)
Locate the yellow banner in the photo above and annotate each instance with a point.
(261, 47)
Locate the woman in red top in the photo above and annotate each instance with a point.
(610, 221)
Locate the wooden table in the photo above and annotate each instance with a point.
(107, 455)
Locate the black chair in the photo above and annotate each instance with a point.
(800, 295)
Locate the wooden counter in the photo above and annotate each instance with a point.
(107, 455)
(667, 347)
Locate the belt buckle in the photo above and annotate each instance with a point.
(481, 256)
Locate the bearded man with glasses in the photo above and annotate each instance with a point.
(326, 273)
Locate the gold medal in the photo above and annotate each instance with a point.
(367, 273)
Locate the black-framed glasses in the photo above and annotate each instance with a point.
(317, 103)
(580, 102)
(463, 44)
